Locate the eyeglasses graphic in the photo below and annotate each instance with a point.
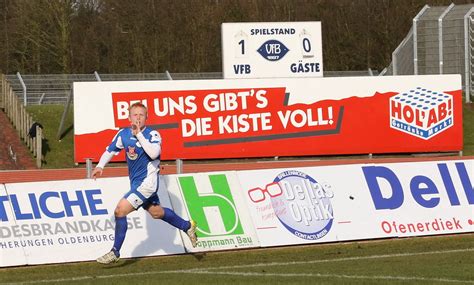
(258, 194)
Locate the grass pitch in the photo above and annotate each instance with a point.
(421, 260)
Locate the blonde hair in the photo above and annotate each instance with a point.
(138, 105)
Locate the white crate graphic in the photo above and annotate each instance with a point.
(421, 112)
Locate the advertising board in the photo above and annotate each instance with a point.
(205, 119)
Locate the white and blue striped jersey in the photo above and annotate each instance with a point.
(143, 170)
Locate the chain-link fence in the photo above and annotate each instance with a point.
(440, 41)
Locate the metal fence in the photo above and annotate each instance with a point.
(37, 89)
(440, 41)
(55, 88)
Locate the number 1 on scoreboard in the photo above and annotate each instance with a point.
(240, 48)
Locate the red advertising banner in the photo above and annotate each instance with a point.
(260, 121)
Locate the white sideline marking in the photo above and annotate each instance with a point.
(332, 260)
(376, 277)
(210, 270)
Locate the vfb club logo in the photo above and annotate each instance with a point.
(273, 50)
(301, 204)
(421, 112)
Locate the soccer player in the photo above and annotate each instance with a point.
(142, 146)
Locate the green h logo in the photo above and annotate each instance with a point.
(213, 209)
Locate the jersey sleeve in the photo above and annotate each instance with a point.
(151, 143)
(155, 137)
(116, 145)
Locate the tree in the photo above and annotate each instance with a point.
(122, 36)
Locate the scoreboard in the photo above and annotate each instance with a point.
(272, 50)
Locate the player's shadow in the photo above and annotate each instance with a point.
(160, 234)
(156, 231)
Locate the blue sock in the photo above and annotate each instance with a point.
(171, 218)
(120, 232)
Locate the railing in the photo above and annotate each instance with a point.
(20, 119)
(55, 88)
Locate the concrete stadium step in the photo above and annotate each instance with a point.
(14, 155)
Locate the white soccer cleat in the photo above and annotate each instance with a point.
(191, 232)
(108, 258)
